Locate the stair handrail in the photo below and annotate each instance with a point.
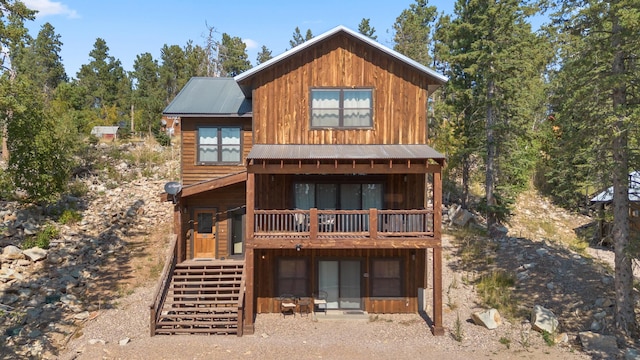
(160, 292)
(241, 305)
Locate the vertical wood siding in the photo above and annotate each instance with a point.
(413, 274)
(192, 172)
(222, 200)
(281, 96)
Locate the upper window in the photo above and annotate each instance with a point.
(219, 145)
(341, 108)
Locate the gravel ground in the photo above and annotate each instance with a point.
(389, 336)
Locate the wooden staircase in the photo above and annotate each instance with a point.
(204, 297)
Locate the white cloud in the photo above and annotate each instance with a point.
(48, 8)
(251, 44)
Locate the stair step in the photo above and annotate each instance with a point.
(201, 310)
(207, 284)
(170, 331)
(208, 269)
(231, 299)
(195, 277)
(229, 315)
(204, 288)
(202, 302)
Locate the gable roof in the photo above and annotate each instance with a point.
(438, 78)
(634, 190)
(208, 96)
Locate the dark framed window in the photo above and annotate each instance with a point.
(386, 278)
(331, 196)
(341, 108)
(219, 144)
(293, 276)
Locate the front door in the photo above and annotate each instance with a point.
(204, 234)
(340, 279)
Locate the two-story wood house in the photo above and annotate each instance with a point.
(312, 174)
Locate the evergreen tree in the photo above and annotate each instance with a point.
(263, 55)
(365, 29)
(412, 31)
(233, 56)
(495, 63)
(298, 38)
(104, 78)
(173, 71)
(146, 94)
(597, 104)
(48, 69)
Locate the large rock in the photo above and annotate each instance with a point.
(543, 320)
(462, 217)
(605, 346)
(35, 254)
(489, 318)
(12, 253)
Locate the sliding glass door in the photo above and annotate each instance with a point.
(340, 279)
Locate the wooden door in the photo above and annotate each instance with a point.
(204, 234)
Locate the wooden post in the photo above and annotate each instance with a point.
(313, 224)
(249, 258)
(373, 223)
(438, 328)
(178, 230)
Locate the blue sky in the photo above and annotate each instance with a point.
(133, 27)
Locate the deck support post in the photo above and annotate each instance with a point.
(438, 328)
(249, 258)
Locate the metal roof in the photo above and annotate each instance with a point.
(338, 29)
(634, 190)
(342, 152)
(208, 96)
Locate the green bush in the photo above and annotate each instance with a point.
(70, 216)
(42, 239)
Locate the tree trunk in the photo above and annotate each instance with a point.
(625, 314)
(491, 157)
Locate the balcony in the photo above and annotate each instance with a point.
(340, 228)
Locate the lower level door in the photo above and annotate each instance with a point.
(204, 234)
(340, 279)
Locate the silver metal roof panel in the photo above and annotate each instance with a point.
(208, 96)
(342, 152)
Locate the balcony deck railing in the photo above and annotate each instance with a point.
(372, 223)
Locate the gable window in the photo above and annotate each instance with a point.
(341, 108)
(219, 145)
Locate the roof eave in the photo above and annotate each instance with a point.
(441, 79)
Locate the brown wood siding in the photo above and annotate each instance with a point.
(414, 272)
(281, 96)
(223, 200)
(192, 172)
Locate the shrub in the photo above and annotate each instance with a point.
(42, 239)
(69, 216)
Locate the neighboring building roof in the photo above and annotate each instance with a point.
(441, 79)
(634, 190)
(104, 130)
(342, 152)
(208, 96)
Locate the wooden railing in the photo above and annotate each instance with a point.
(371, 223)
(241, 305)
(160, 293)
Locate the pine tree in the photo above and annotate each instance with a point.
(233, 56)
(263, 55)
(412, 31)
(298, 38)
(495, 64)
(365, 29)
(596, 98)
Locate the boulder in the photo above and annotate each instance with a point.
(462, 217)
(543, 320)
(36, 254)
(12, 253)
(605, 346)
(489, 318)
